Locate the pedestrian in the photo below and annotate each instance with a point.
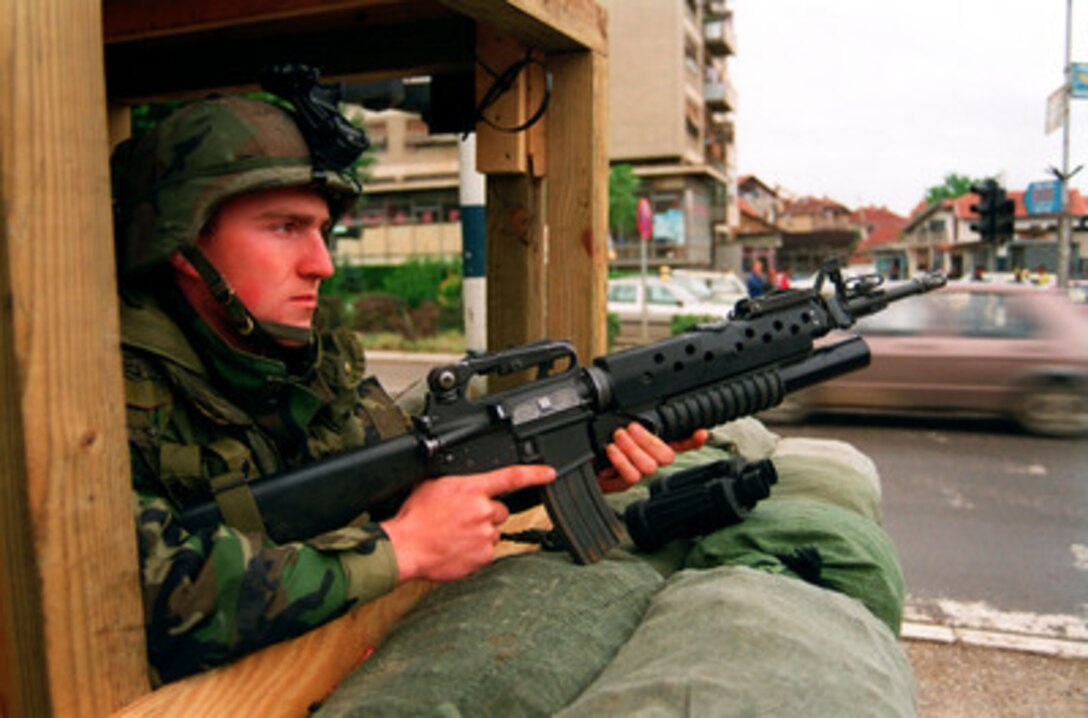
(758, 284)
(784, 278)
(223, 212)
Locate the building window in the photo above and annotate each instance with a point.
(691, 58)
(427, 214)
(377, 134)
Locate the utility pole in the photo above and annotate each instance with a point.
(1065, 223)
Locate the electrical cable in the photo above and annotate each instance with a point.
(504, 81)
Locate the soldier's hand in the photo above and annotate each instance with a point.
(636, 453)
(448, 527)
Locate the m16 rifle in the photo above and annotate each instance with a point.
(566, 415)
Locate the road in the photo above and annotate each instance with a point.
(991, 524)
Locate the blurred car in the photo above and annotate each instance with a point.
(664, 299)
(1078, 292)
(1010, 350)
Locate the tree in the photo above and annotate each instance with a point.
(954, 185)
(622, 199)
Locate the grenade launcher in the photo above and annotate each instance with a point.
(566, 416)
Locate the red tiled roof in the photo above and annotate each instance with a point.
(803, 205)
(749, 179)
(882, 225)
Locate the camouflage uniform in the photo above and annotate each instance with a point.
(201, 413)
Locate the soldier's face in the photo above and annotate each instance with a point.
(270, 246)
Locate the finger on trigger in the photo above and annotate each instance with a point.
(512, 478)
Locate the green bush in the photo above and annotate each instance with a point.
(419, 298)
(418, 280)
(682, 322)
(612, 325)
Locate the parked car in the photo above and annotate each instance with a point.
(1001, 349)
(664, 300)
(721, 287)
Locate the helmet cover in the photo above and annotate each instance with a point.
(168, 185)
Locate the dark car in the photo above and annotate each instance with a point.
(1009, 350)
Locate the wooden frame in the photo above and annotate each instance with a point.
(71, 634)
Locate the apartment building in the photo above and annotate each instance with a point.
(671, 103)
(411, 202)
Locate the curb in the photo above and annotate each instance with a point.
(936, 633)
(413, 357)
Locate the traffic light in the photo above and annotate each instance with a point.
(995, 212)
(1004, 216)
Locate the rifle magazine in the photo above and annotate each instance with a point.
(578, 511)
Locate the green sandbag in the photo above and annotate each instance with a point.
(828, 470)
(733, 642)
(858, 558)
(819, 469)
(523, 637)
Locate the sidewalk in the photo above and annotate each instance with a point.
(960, 680)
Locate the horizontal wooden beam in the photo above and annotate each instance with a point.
(229, 59)
(127, 20)
(543, 24)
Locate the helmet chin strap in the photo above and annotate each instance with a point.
(261, 333)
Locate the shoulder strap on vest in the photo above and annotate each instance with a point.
(231, 488)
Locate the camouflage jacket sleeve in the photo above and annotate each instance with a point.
(216, 595)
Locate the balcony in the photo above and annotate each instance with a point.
(719, 36)
(720, 96)
(721, 125)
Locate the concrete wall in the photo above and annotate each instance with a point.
(646, 79)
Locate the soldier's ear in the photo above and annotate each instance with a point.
(182, 266)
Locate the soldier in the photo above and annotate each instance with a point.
(223, 214)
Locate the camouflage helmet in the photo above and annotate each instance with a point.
(169, 184)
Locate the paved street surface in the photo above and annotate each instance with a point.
(990, 523)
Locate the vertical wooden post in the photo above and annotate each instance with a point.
(577, 214)
(499, 151)
(517, 287)
(71, 628)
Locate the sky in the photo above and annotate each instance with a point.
(871, 102)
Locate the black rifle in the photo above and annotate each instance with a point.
(566, 416)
